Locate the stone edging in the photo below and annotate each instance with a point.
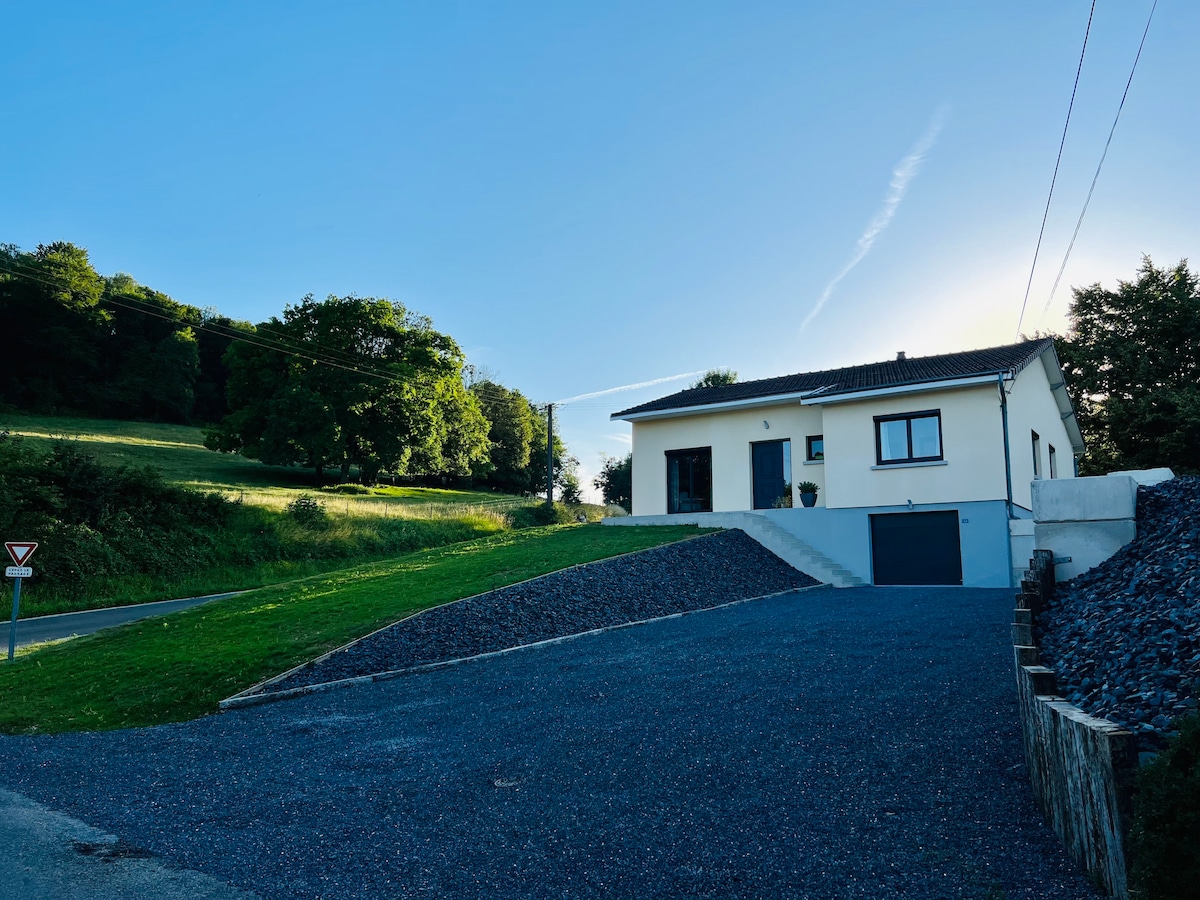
(1081, 767)
(254, 696)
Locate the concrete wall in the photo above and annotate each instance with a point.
(1031, 407)
(972, 447)
(844, 535)
(1085, 519)
(729, 434)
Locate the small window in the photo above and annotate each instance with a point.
(689, 480)
(1053, 463)
(814, 447)
(1037, 455)
(908, 438)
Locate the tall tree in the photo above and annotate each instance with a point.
(510, 437)
(51, 299)
(1132, 360)
(715, 378)
(351, 382)
(615, 481)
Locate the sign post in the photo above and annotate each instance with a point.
(20, 551)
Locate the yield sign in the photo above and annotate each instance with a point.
(20, 550)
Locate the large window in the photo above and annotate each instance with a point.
(908, 438)
(689, 480)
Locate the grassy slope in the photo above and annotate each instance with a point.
(178, 667)
(361, 522)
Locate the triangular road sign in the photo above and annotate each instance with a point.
(20, 550)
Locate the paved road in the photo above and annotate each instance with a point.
(824, 744)
(65, 625)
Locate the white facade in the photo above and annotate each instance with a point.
(961, 460)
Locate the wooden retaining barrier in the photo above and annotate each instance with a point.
(1081, 767)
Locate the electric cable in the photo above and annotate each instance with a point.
(1054, 178)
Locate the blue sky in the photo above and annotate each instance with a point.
(588, 196)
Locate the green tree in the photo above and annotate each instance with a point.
(615, 481)
(1132, 361)
(351, 382)
(510, 436)
(51, 299)
(715, 378)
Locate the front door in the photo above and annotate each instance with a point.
(770, 461)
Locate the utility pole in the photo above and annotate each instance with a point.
(549, 455)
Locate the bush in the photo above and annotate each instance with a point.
(348, 489)
(1163, 841)
(308, 512)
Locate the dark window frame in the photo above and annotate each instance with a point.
(808, 448)
(907, 419)
(1053, 461)
(689, 452)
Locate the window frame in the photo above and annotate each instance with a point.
(907, 418)
(1036, 441)
(685, 453)
(808, 448)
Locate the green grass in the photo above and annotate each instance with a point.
(365, 524)
(178, 667)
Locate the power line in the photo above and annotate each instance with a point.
(1057, 162)
(1100, 165)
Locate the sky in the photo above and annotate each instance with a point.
(588, 196)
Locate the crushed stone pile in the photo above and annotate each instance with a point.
(1124, 638)
(684, 577)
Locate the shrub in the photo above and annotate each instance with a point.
(1166, 820)
(348, 489)
(308, 512)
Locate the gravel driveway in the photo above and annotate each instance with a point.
(824, 744)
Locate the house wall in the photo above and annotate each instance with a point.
(729, 434)
(844, 535)
(972, 447)
(1031, 408)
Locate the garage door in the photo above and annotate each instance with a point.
(916, 548)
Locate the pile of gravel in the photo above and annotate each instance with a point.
(691, 575)
(1124, 637)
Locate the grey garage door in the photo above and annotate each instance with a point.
(916, 548)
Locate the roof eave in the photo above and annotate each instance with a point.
(676, 412)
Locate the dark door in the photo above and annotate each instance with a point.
(916, 548)
(769, 480)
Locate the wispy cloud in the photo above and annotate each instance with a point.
(628, 387)
(621, 438)
(904, 173)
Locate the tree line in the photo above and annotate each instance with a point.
(356, 386)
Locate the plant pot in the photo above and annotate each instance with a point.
(809, 500)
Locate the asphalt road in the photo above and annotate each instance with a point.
(823, 744)
(65, 625)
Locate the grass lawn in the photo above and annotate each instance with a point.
(177, 667)
(179, 452)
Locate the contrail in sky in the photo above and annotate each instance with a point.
(629, 387)
(904, 172)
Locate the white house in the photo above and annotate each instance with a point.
(924, 466)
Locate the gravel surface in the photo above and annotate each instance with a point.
(1124, 638)
(684, 577)
(829, 744)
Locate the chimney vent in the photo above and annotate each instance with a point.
(900, 357)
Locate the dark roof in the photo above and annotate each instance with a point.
(894, 373)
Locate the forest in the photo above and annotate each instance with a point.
(353, 388)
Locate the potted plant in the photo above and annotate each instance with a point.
(808, 491)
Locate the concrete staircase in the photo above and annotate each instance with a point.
(796, 553)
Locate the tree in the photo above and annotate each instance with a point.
(510, 436)
(351, 382)
(51, 299)
(715, 378)
(1132, 361)
(615, 481)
